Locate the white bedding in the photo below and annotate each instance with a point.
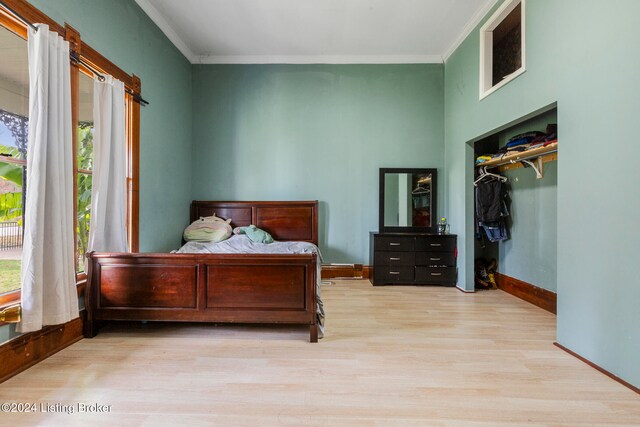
(241, 244)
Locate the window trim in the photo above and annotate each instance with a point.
(486, 87)
(104, 65)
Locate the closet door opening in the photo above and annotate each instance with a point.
(515, 189)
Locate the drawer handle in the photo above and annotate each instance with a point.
(435, 244)
(394, 272)
(394, 244)
(435, 259)
(436, 274)
(394, 259)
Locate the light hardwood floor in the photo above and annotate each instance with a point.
(392, 356)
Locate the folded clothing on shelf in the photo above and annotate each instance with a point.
(523, 138)
(523, 142)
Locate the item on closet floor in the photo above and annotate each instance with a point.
(485, 274)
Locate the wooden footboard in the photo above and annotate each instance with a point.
(220, 288)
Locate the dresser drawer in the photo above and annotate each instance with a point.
(435, 258)
(393, 274)
(435, 244)
(435, 274)
(404, 244)
(395, 258)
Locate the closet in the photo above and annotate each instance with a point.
(523, 240)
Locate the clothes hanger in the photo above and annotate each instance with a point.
(484, 174)
(420, 190)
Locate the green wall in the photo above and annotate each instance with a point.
(580, 54)
(123, 33)
(530, 253)
(287, 132)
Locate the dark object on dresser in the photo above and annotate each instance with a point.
(224, 288)
(413, 259)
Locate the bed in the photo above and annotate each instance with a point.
(212, 287)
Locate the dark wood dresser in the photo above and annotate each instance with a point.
(413, 259)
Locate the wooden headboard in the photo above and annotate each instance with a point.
(283, 220)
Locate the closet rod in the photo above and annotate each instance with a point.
(75, 57)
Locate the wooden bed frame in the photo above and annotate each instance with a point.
(220, 288)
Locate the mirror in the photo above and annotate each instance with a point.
(408, 200)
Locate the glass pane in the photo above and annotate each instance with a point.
(85, 123)
(84, 214)
(407, 200)
(14, 109)
(85, 163)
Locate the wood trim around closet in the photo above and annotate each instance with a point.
(540, 297)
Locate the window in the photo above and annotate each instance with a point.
(84, 169)
(14, 107)
(502, 47)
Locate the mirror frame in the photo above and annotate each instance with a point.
(434, 201)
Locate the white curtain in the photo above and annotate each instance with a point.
(48, 276)
(107, 232)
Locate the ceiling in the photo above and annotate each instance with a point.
(316, 31)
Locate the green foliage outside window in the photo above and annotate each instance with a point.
(11, 202)
(85, 161)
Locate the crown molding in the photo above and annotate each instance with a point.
(173, 36)
(319, 59)
(471, 25)
(167, 29)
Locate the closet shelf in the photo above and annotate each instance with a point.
(514, 160)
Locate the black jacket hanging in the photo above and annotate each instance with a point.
(490, 201)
